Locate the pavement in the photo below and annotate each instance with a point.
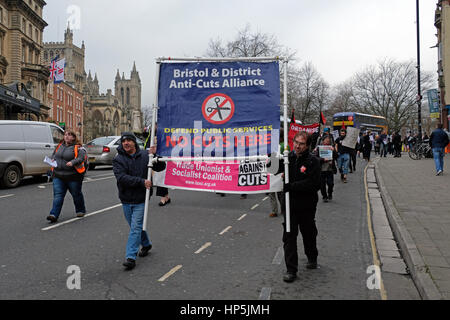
(417, 205)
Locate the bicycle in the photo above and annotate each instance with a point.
(420, 150)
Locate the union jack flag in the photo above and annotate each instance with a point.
(57, 70)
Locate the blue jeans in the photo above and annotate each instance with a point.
(343, 162)
(134, 214)
(60, 188)
(438, 155)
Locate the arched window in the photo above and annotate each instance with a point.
(123, 96)
(128, 96)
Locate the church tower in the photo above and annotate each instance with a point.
(128, 92)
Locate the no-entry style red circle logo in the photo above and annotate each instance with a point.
(218, 108)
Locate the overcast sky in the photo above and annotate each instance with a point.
(340, 37)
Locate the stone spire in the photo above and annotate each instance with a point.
(117, 75)
(134, 73)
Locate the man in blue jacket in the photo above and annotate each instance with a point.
(130, 167)
(438, 141)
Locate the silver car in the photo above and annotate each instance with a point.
(102, 150)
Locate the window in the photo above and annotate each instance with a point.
(57, 134)
(128, 96)
(36, 133)
(1, 15)
(23, 53)
(24, 26)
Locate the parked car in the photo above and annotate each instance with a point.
(102, 150)
(23, 147)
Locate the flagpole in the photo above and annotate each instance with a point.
(286, 152)
(152, 143)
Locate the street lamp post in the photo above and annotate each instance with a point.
(419, 95)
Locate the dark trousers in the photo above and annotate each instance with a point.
(162, 192)
(282, 199)
(304, 221)
(353, 160)
(326, 180)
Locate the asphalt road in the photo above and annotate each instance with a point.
(205, 247)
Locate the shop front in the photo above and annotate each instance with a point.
(16, 103)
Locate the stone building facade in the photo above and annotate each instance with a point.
(21, 67)
(442, 24)
(104, 114)
(112, 114)
(74, 72)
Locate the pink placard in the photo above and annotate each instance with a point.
(218, 176)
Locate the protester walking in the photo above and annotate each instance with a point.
(366, 146)
(344, 155)
(130, 168)
(328, 168)
(397, 142)
(438, 141)
(304, 183)
(383, 142)
(69, 173)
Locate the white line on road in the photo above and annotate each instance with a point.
(254, 207)
(265, 293)
(278, 256)
(206, 245)
(265, 198)
(171, 272)
(242, 217)
(225, 230)
(92, 180)
(6, 196)
(77, 219)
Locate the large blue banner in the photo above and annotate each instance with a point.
(218, 109)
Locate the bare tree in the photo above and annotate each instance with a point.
(389, 89)
(147, 115)
(308, 92)
(341, 100)
(248, 44)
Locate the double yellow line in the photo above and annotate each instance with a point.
(376, 261)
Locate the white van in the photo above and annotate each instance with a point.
(23, 147)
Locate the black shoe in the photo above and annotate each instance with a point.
(52, 219)
(312, 264)
(330, 197)
(325, 199)
(289, 277)
(144, 251)
(129, 264)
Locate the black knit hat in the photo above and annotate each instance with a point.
(128, 135)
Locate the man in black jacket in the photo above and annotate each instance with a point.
(130, 167)
(304, 183)
(438, 141)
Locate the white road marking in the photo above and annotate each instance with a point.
(41, 187)
(206, 245)
(6, 196)
(278, 256)
(225, 230)
(77, 219)
(254, 207)
(242, 217)
(171, 272)
(99, 179)
(265, 198)
(265, 293)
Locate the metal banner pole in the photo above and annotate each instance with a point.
(286, 152)
(152, 143)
